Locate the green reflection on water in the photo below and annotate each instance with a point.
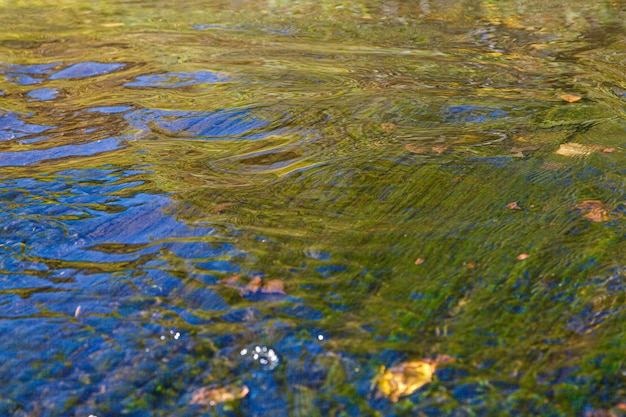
(395, 126)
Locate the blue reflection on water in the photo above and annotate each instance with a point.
(98, 275)
(472, 114)
(225, 124)
(11, 126)
(43, 94)
(177, 79)
(22, 158)
(85, 69)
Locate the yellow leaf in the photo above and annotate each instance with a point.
(574, 149)
(112, 25)
(408, 377)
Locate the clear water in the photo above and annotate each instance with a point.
(156, 157)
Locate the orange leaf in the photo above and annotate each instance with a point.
(608, 150)
(419, 261)
(522, 256)
(571, 98)
(388, 126)
(439, 149)
(513, 206)
(273, 286)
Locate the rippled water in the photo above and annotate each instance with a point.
(290, 195)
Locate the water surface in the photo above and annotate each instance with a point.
(158, 158)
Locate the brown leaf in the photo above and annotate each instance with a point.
(593, 210)
(570, 98)
(415, 149)
(513, 206)
(273, 286)
(253, 286)
(220, 208)
(522, 256)
(608, 150)
(213, 396)
(440, 149)
(419, 261)
(388, 126)
(232, 281)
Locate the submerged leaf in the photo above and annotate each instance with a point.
(213, 396)
(593, 210)
(273, 286)
(415, 149)
(408, 377)
(513, 206)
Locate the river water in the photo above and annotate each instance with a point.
(277, 198)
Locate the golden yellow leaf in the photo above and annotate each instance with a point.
(112, 25)
(574, 149)
(419, 261)
(571, 98)
(408, 377)
(213, 396)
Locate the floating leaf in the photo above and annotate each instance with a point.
(571, 98)
(408, 377)
(574, 149)
(213, 396)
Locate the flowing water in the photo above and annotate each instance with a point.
(289, 195)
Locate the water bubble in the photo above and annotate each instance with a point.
(266, 357)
